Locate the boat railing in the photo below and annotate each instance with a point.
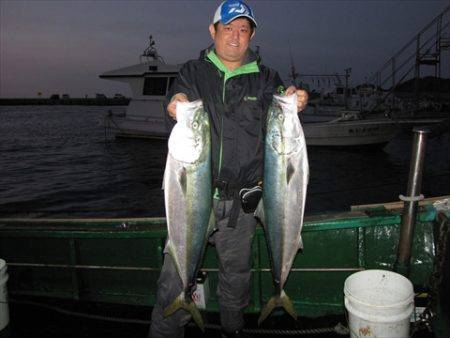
(424, 49)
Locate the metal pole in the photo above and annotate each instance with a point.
(393, 83)
(347, 75)
(393, 72)
(411, 201)
(417, 76)
(437, 69)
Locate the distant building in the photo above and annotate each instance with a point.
(65, 96)
(100, 96)
(54, 97)
(118, 96)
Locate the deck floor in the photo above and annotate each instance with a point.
(33, 321)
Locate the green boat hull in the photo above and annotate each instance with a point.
(118, 260)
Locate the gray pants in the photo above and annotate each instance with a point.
(234, 251)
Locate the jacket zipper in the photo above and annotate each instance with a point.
(221, 126)
(216, 192)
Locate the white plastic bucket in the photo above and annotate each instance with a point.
(4, 311)
(379, 304)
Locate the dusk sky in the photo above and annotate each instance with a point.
(62, 46)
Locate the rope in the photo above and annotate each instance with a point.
(339, 328)
(411, 198)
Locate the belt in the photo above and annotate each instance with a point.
(227, 191)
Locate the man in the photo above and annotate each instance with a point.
(236, 91)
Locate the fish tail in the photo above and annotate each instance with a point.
(276, 301)
(187, 304)
(287, 305)
(268, 308)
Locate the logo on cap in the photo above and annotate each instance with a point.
(240, 9)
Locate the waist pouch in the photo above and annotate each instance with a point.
(250, 198)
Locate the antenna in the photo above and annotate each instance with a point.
(293, 74)
(150, 53)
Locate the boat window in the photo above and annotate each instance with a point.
(155, 86)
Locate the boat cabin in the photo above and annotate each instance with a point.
(149, 81)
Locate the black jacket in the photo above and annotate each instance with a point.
(237, 104)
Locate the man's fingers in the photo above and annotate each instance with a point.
(172, 106)
(171, 109)
(302, 99)
(290, 90)
(303, 94)
(181, 97)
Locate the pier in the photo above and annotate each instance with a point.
(65, 101)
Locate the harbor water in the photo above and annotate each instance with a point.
(60, 162)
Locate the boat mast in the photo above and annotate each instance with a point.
(347, 76)
(150, 53)
(293, 74)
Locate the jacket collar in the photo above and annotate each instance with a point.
(250, 64)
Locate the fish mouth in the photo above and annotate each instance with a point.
(185, 147)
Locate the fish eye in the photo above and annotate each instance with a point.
(195, 124)
(280, 117)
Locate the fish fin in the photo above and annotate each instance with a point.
(287, 304)
(277, 301)
(196, 315)
(177, 304)
(169, 248)
(212, 224)
(181, 303)
(300, 244)
(290, 170)
(164, 179)
(259, 212)
(181, 176)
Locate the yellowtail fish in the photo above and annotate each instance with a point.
(281, 209)
(188, 199)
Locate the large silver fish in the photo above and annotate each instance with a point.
(281, 209)
(188, 199)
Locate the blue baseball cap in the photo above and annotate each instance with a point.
(232, 9)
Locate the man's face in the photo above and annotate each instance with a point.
(232, 40)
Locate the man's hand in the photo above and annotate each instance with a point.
(302, 97)
(172, 106)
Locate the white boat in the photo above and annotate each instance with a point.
(145, 115)
(149, 82)
(350, 130)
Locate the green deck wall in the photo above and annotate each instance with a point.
(109, 262)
